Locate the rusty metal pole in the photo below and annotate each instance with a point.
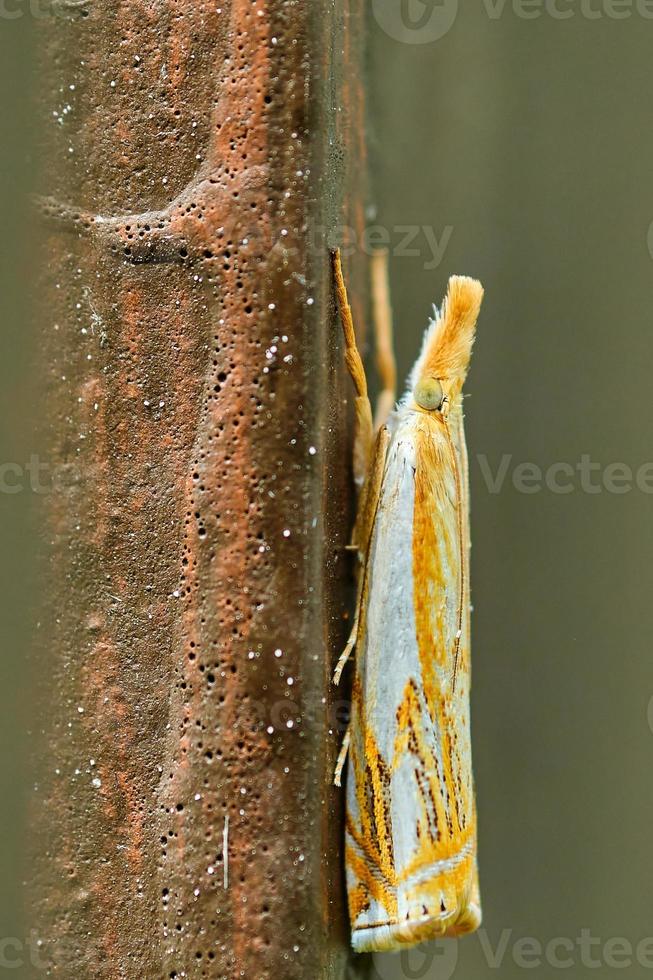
(184, 822)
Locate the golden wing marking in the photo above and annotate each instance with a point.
(372, 786)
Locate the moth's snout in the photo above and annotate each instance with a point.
(429, 394)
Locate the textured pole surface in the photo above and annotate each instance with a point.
(184, 822)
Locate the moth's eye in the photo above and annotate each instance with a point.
(428, 394)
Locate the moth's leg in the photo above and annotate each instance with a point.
(369, 499)
(385, 357)
(367, 507)
(364, 430)
(353, 636)
(342, 758)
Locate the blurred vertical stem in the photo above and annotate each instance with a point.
(197, 159)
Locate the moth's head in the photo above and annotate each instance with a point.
(440, 372)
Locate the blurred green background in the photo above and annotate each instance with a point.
(531, 141)
(517, 150)
(17, 524)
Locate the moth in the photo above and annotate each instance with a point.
(410, 848)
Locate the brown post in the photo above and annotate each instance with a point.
(198, 156)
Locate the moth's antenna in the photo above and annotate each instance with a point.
(385, 358)
(364, 431)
